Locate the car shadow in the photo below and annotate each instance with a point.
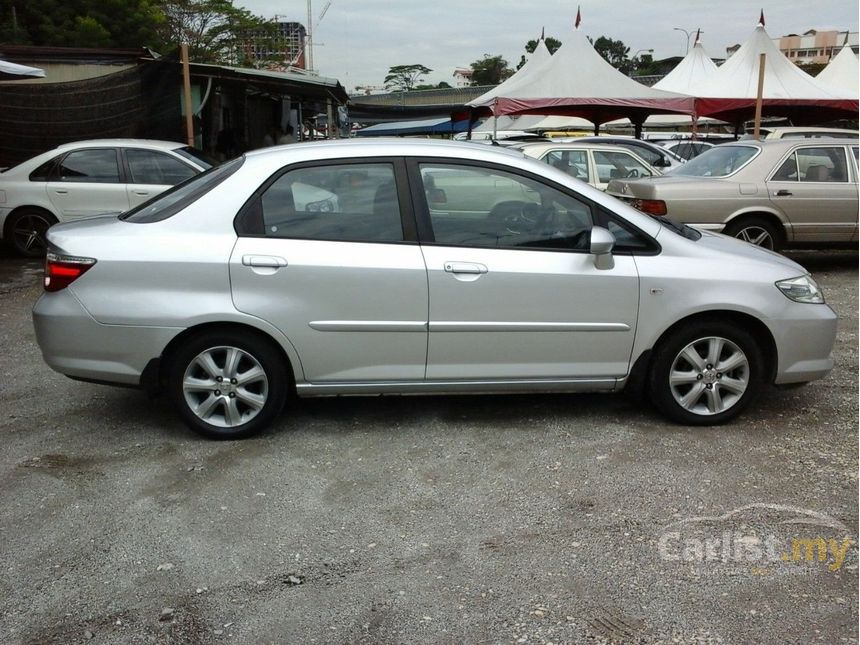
(830, 260)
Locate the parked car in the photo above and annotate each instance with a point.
(593, 163)
(772, 193)
(686, 148)
(87, 178)
(228, 295)
(802, 132)
(657, 157)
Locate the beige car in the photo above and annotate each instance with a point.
(774, 193)
(594, 164)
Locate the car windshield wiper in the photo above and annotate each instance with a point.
(681, 229)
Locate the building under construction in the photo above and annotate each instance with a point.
(278, 49)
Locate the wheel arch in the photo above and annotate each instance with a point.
(782, 225)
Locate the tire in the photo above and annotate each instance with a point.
(205, 382)
(688, 386)
(25, 232)
(758, 231)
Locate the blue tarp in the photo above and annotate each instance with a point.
(425, 126)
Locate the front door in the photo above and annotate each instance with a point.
(514, 293)
(88, 183)
(325, 255)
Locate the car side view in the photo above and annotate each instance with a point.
(409, 267)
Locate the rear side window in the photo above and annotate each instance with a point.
(170, 202)
(97, 165)
(154, 167)
(572, 162)
(341, 203)
(45, 172)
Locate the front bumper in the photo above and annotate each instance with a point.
(75, 344)
(804, 339)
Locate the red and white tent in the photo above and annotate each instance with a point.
(538, 57)
(696, 70)
(841, 73)
(731, 93)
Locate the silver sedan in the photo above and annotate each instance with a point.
(771, 193)
(408, 267)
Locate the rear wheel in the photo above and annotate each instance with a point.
(228, 385)
(26, 231)
(758, 231)
(706, 373)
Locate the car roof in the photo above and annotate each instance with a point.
(590, 145)
(791, 143)
(123, 143)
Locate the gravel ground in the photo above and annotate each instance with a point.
(515, 519)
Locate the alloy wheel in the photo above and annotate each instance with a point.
(756, 235)
(709, 376)
(28, 234)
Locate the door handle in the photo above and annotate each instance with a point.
(270, 261)
(61, 191)
(465, 267)
(142, 193)
(783, 193)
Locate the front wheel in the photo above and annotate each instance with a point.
(706, 373)
(227, 385)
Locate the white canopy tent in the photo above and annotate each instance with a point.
(15, 72)
(841, 73)
(538, 57)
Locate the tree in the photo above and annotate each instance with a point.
(403, 78)
(439, 86)
(80, 23)
(552, 44)
(216, 31)
(490, 70)
(614, 52)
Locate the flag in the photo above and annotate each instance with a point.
(761, 18)
(698, 33)
(578, 18)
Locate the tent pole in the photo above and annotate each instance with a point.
(471, 122)
(759, 96)
(495, 118)
(186, 94)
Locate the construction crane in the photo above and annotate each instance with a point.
(309, 39)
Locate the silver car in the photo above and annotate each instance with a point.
(410, 276)
(773, 193)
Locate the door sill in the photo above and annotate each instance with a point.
(466, 386)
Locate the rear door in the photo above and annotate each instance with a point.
(327, 252)
(816, 187)
(149, 172)
(514, 293)
(88, 182)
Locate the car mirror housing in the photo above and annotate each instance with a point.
(600, 246)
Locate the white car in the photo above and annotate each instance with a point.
(85, 179)
(593, 163)
(686, 148)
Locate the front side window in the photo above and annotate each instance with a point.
(345, 202)
(96, 165)
(719, 161)
(485, 207)
(617, 165)
(153, 167)
(572, 162)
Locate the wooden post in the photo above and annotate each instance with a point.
(758, 96)
(186, 89)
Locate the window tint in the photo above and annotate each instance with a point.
(349, 203)
(787, 171)
(45, 171)
(822, 165)
(651, 156)
(153, 167)
(98, 165)
(572, 162)
(173, 200)
(473, 206)
(617, 165)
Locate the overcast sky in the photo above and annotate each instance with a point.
(358, 40)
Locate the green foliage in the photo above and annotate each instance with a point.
(80, 23)
(439, 86)
(552, 44)
(490, 70)
(403, 78)
(614, 52)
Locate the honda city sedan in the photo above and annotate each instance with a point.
(87, 178)
(427, 267)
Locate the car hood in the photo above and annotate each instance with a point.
(724, 243)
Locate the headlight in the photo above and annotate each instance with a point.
(322, 206)
(802, 289)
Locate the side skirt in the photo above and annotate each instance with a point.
(457, 387)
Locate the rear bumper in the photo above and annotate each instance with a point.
(804, 341)
(75, 344)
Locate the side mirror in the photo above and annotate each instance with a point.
(600, 246)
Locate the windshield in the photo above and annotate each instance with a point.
(170, 202)
(197, 156)
(719, 161)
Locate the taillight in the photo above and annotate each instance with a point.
(650, 206)
(63, 270)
